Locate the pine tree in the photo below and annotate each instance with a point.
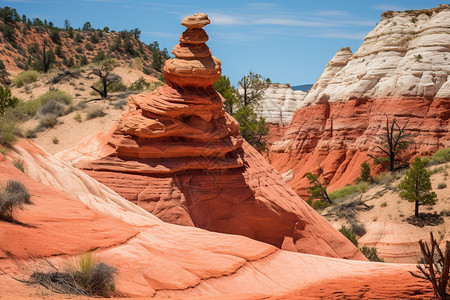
(317, 189)
(416, 186)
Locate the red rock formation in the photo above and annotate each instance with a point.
(343, 115)
(337, 136)
(157, 259)
(180, 156)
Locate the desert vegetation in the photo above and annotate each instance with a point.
(87, 277)
(240, 103)
(13, 197)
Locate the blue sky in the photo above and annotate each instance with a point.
(287, 41)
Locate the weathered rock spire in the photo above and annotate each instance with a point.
(193, 65)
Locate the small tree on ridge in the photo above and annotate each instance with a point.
(416, 186)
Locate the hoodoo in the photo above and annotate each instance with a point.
(179, 155)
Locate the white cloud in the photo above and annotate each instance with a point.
(224, 20)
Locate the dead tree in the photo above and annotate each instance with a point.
(103, 71)
(436, 268)
(46, 59)
(395, 141)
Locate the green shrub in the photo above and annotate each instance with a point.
(386, 178)
(441, 156)
(384, 204)
(426, 160)
(52, 107)
(25, 78)
(95, 112)
(30, 134)
(55, 140)
(441, 185)
(371, 253)
(349, 235)
(89, 47)
(47, 121)
(100, 56)
(14, 196)
(8, 132)
(6, 100)
(58, 96)
(25, 110)
(114, 87)
(139, 85)
(358, 188)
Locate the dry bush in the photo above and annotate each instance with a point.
(14, 196)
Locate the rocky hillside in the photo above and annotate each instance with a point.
(400, 71)
(22, 46)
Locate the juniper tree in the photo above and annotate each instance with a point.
(416, 186)
(318, 190)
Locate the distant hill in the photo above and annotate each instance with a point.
(22, 45)
(303, 87)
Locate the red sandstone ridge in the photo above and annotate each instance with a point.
(180, 156)
(73, 213)
(344, 114)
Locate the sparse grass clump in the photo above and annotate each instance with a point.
(55, 140)
(441, 185)
(77, 117)
(95, 112)
(348, 190)
(47, 121)
(87, 277)
(14, 196)
(25, 78)
(96, 278)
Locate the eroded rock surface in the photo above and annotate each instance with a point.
(177, 154)
(401, 70)
(157, 259)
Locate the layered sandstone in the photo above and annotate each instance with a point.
(279, 103)
(157, 259)
(401, 70)
(177, 154)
